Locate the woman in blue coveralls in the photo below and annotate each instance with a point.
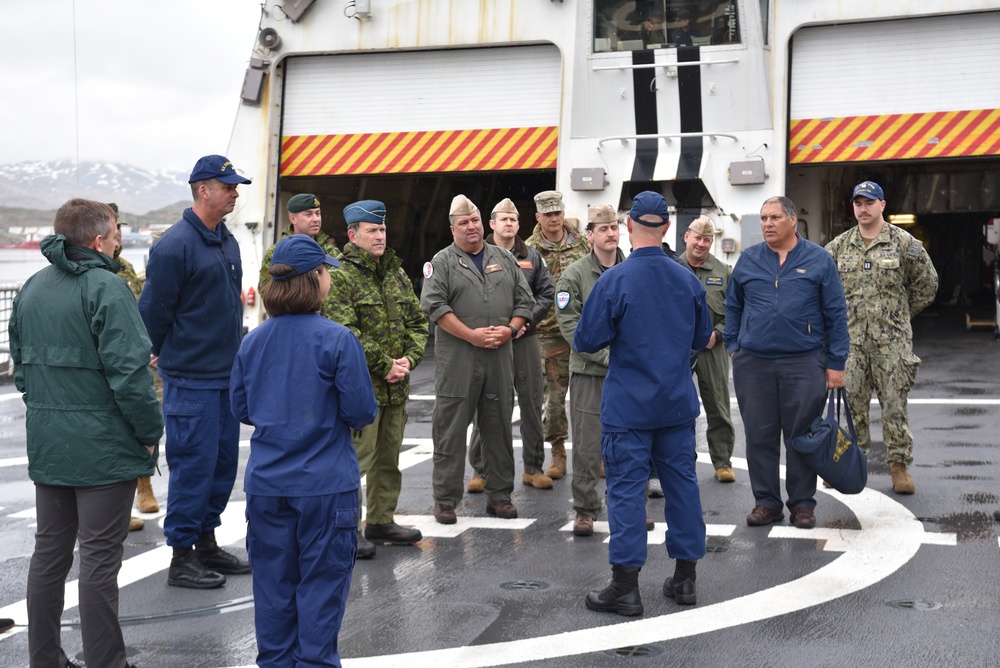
(302, 381)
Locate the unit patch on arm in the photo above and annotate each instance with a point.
(428, 269)
(562, 299)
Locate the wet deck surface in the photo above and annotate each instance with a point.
(882, 580)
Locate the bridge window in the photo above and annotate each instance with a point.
(636, 25)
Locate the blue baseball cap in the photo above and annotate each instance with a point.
(365, 211)
(216, 167)
(301, 253)
(868, 189)
(648, 203)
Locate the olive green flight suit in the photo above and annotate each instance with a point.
(469, 379)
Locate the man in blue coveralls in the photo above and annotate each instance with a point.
(192, 310)
(652, 312)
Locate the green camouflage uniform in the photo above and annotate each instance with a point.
(375, 300)
(325, 242)
(712, 366)
(555, 350)
(127, 272)
(886, 284)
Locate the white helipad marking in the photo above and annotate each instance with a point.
(658, 535)
(13, 461)
(233, 530)
(10, 396)
(889, 538)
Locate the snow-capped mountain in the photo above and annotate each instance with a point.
(47, 185)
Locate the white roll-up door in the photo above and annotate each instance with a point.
(422, 111)
(901, 89)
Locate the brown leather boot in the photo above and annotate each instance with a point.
(135, 524)
(146, 501)
(557, 465)
(902, 483)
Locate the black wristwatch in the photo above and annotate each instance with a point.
(513, 332)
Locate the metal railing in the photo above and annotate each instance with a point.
(7, 293)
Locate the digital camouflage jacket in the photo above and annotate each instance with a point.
(557, 257)
(375, 300)
(886, 283)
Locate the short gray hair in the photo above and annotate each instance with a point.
(787, 205)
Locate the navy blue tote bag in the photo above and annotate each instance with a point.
(833, 452)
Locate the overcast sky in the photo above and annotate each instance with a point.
(157, 81)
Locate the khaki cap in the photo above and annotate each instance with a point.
(548, 201)
(462, 206)
(505, 206)
(702, 226)
(602, 213)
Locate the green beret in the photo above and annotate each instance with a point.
(302, 202)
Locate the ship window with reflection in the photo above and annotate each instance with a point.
(636, 25)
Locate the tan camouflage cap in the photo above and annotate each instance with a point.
(505, 206)
(462, 206)
(602, 213)
(548, 201)
(703, 226)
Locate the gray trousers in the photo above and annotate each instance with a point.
(528, 386)
(585, 418)
(99, 516)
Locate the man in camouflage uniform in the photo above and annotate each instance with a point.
(888, 278)
(712, 366)
(527, 359)
(146, 501)
(479, 299)
(587, 370)
(560, 245)
(304, 218)
(373, 297)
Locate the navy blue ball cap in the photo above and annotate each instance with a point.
(868, 189)
(648, 203)
(365, 211)
(301, 253)
(216, 167)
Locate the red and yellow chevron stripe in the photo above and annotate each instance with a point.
(941, 134)
(415, 152)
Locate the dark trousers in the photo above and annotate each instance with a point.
(203, 441)
(779, 398)
(99, 516)
(302, 551)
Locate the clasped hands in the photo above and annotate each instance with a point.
(400, 370)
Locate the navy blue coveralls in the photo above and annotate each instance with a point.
(652, 312)
(302, 381)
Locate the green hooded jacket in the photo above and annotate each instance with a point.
(81, 359)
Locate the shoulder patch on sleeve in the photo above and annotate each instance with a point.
(428, 269)
(914, 249)
(562, 299)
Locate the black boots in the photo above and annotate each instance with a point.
(187, 571)
(215, 558)
(205, 566)
(681, 587)
(621, 596)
